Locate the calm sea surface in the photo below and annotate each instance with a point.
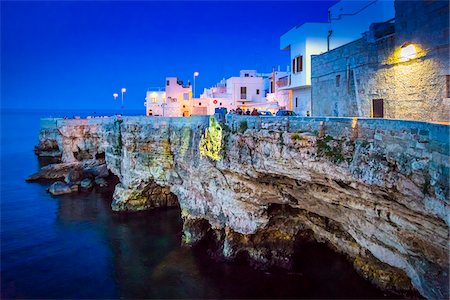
(74, 246)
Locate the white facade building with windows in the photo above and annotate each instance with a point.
(348, 20)
(172, 101)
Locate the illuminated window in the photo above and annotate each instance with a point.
(154, 100)
(338, 80)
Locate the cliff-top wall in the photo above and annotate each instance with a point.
(374, 189)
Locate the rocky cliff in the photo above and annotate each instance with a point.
(375, 190)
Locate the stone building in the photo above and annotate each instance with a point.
(398, 69)
(347, 19)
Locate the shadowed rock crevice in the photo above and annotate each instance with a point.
(143, 197)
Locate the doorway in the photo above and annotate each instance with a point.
(377, 108)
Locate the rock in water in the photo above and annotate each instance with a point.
(101, 182)
(86, 184)
(74, 175)
(59, 188)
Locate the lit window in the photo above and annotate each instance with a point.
(154, 100)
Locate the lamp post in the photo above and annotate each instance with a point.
(123, 92)
(115, 95)
(195, 75)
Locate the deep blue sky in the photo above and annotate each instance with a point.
(76, 54)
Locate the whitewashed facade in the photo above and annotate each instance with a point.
(172, 101)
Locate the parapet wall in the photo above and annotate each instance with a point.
(431, 137)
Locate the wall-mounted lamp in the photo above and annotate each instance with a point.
(408, 51)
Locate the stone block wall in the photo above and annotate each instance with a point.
(347, 79)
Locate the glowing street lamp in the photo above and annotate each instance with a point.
(408, 52)
(195, 75)
(115, 95)
(123, 92)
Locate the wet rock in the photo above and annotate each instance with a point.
(101, 182)
(59, 188)
(74, 176)
(86, 184)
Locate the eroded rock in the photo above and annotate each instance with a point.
(59, 188)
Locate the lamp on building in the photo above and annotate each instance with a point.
(123, 92)
(408, 51)
(115, 95)
(195, 75)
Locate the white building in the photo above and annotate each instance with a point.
(277, 97)
(347, 21)
(213, 98)
(172, 101)
(249, 90)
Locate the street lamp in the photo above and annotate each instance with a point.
(115, 95)
(123, 91)
(195, 75)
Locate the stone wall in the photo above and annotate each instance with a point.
(347, 79)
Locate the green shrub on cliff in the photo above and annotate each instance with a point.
(243, 126)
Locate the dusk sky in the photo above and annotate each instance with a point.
(76, 54)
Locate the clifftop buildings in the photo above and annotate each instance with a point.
(174, 100)
(380, 58)
(347, 21)
(397, 69)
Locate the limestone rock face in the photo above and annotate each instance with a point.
(59, 188)
(376, 190)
